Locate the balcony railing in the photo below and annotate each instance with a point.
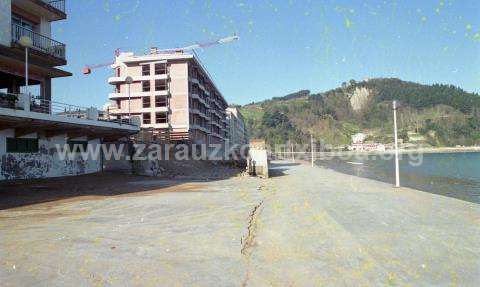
(39, 42)
(8, 100)
(38, 105)
(57, 4)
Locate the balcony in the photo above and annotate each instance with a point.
(52, 10)
(121, 80)
(116, 95)
(51, 110)
(39, 42)
(57, 4)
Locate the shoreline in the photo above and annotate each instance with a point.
(391, 151)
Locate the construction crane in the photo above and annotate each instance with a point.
(88, 68)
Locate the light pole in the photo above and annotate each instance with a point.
(311, 147)
(397, 173)
(26, 42)
(128, 80)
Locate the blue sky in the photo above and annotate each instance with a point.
(284, 46)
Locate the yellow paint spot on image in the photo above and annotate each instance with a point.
(317, 217)
(468, 27)
(391, 278)
(348, 23)
(306, 204)
(424, 19)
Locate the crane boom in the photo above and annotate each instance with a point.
(88, 68)
(224, 40)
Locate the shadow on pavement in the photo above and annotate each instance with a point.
(278, 168)
(279, 164)
(20, 193)
(276, 172)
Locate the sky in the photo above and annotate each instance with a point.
(284, 46)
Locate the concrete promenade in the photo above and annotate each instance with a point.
(303, 226)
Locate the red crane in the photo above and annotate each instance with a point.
(88, 68)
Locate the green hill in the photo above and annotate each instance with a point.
(438, 115)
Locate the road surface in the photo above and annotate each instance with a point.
(303, 227)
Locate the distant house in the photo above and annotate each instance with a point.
(358, 144)
(367, 147)
(358, 138)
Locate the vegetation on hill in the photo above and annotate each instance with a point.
(439, 115)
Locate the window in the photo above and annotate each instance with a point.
(160, 69)
(160, 101)
(16, 145)
(77, 146)
(18, 20)
(146, 102)
(146, 119)
(146, 86)
(194, 89)
(145, 70)
(117, 88)
(161, 118)
(160, 85)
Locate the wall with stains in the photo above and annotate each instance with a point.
(48, 162)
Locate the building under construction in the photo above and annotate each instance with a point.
(173, 95)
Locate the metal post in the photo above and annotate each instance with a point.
(397, 173)
(311, 147)
(26, 70)
(293, 155)
(129, 81)
(128, 103)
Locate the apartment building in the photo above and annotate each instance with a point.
(32, 124)
(173, 95)
(237, 132)
(32, 19)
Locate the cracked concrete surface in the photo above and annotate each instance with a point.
(303, 227)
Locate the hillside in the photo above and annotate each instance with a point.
(437, 115)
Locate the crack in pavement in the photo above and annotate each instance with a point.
(248, 241)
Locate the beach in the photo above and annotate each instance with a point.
(304, 226)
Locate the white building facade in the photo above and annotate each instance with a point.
(237, 133)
